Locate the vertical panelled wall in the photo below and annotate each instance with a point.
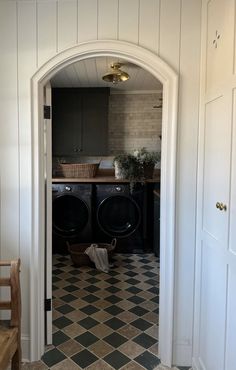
(31, 32)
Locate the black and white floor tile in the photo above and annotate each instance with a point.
(104, 321)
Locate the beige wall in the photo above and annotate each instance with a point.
(31, 32)
(134, 122)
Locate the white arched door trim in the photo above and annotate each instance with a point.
(160, 70)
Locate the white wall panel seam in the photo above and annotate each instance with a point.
(97, 18)
(18, 123)
(232, 172)
(37, 36)
(77, 22)
(169, 32)
(67, 24)
(234, 40)
(57, 46)
(159, 28)
(0, 202)
(138, 41)
(180, 38)
(118, 19)
(231, 168)
(160, 21)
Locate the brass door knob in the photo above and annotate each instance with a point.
(221, 206)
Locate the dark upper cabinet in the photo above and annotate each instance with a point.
(80, 121)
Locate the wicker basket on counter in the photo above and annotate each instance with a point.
(79, 258)
(82, 170)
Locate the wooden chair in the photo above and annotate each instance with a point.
(10, 332)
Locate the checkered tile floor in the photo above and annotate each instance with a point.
(104, 321)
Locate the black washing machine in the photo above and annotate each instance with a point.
(71, 215)
(120, 214)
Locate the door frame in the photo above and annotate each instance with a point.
(169, 78)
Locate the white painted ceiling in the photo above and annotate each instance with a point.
(89, 72)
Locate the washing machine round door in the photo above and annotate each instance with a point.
(70, 215)
(119, 216)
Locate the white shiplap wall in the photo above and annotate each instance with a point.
(31, 32)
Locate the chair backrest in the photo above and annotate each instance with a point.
(12, 281)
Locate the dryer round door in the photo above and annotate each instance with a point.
(70, 215)
(118, 216)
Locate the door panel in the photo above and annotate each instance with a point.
(232, 240)
(220, 29)
(213, 307)
(230, 359)
(215, 299)
(216, 169)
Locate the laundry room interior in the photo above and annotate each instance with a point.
(104, 231)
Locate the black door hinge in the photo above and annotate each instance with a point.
(47, 111)
(48, 304)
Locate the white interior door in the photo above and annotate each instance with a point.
(215, 315)
(48, 216)
(214, 238)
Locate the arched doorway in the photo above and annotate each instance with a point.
(160, 70)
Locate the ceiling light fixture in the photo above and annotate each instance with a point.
(117, 75)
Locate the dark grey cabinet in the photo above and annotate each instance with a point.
(79, 121)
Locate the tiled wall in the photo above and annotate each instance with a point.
(134, 122)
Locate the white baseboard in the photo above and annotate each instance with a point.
(196, 365)
(25, 344)
(182, 354)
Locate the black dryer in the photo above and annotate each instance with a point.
(120, 214)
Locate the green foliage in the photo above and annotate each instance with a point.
(130, 166)
(147, 158)
(138, 166)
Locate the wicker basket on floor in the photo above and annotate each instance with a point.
(80, 258)
(82, 170)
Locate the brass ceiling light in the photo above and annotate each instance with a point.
(116, 75)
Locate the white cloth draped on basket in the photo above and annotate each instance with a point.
(99, 256)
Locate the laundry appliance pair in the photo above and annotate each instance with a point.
(84, 213)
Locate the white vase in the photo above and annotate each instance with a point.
(119, 172)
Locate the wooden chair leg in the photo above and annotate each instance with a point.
(16, 361)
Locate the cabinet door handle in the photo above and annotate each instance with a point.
(221, 206)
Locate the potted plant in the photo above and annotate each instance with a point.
(127, 166)
(148, 160)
